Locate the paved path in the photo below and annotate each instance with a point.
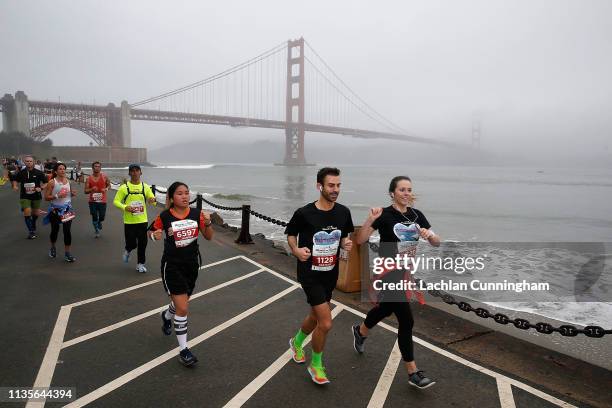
(94, 325)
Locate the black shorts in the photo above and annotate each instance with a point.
(179, 278)
(319, 291)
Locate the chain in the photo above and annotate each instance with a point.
(269, 219)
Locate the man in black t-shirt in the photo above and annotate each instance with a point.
(32, 182)
(315, 234)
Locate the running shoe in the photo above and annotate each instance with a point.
(32, 235)
(141, 268)
(126, 255)
(166, 324)
(419, 380)
(69, 258)
(52, 252)
(297, 352)
(358, 339)
(318, 375)
(97, 234)
(187, 358)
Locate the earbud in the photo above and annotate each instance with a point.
(321, 189)
(392, 195)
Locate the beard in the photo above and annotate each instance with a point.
(329, 197)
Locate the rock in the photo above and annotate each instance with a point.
(216, 219)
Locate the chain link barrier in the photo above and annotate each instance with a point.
(500, 318)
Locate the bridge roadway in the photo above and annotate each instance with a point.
(94, 325)
(87, 111)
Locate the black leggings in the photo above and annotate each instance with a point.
(404, 318)
(136, 236)
(55, 227)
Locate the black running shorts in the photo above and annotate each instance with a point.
(319, 291)
(179, 277)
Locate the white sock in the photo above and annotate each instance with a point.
(170, 312)
(180, 328)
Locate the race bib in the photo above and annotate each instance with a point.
(138, 207)
(67, 216)
(184, 232)
(30, 188)
(65, 191)
(408, 236)
(325, 250)
(97, 197)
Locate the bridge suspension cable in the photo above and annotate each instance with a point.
(254, 60)
(348, 93)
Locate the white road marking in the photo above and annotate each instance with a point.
(124, 379)
(247, 392)
(47, 368)
(379, 396)
(144, 315)
(278, 275)
(142, 285)
(506, 399)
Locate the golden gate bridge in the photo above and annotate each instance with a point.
(289, 86)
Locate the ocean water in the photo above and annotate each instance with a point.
(462, 203)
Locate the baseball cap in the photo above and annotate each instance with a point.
(134, 166)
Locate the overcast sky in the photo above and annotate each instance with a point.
(538, 71)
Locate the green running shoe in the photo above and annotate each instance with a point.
(318, 375)
(297, 352)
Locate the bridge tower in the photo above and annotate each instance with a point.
(15, 113)
(294, 132)
(476, 125)
(107, 126)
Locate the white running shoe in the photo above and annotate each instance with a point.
(141, 268)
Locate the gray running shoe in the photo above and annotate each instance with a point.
(419, 380)
(358, 339)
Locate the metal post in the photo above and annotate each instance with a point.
(199, 202)
(245, 237)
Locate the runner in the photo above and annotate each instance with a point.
(49, 166)
(60, 212)
(315, 233)
(96, 186)
(78, 173)
(181, 260)
(131, 198)
(400, 227)
(32, 182)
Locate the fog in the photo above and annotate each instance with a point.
(536, 72)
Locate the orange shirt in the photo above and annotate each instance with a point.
(157, 224)
(100, 195)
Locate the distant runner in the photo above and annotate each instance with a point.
(60, 212)
(132, 198)
(32, 181)
(181, 260)
(96, 186)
